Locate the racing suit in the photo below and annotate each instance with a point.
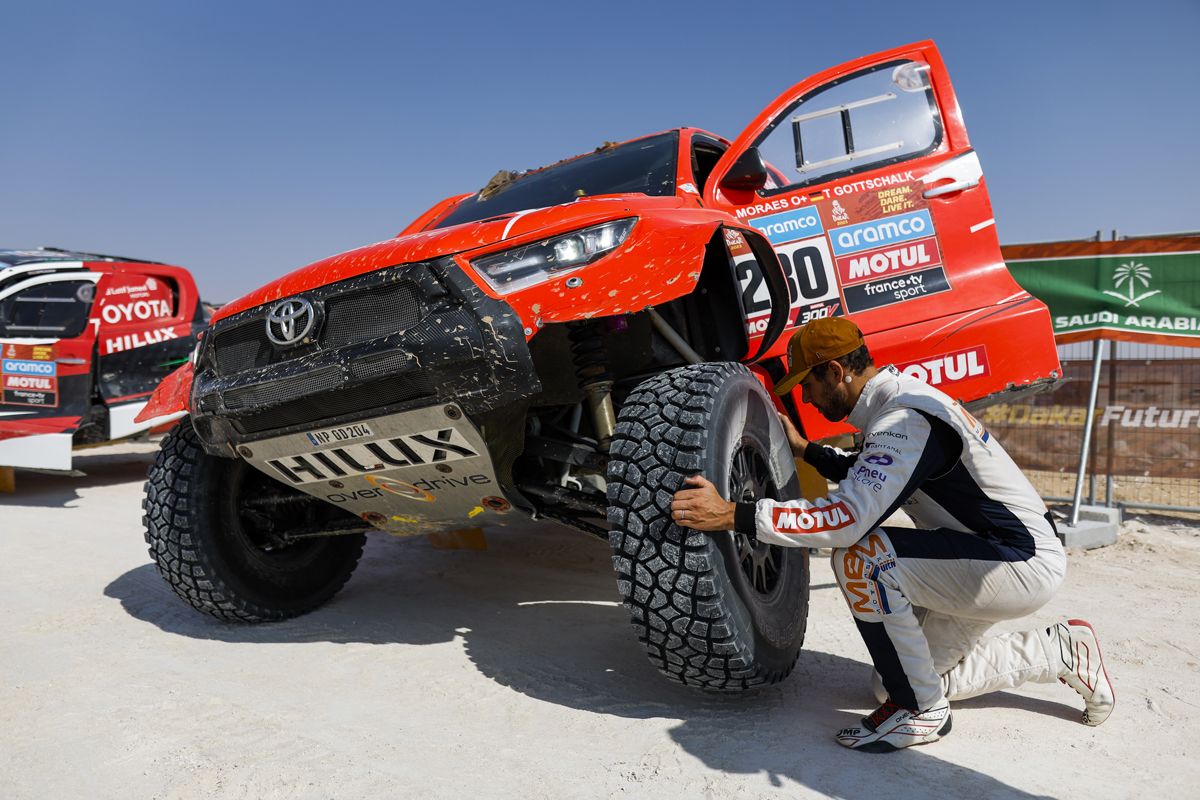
(984, 548)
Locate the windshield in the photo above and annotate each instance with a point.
(646, 166)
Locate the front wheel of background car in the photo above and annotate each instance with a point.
(717, 612)
(217, 529)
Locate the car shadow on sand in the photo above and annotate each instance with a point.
(539, 613)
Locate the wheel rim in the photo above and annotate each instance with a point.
(257, 516)
(750, 480)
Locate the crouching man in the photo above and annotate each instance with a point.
(984, 549)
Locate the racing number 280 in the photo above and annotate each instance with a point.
(809, 283)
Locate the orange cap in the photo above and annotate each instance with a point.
(815, 343)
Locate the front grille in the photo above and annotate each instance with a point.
(351, 317)
(375, 394)
(370, 314)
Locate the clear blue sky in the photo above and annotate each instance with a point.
(243, 139)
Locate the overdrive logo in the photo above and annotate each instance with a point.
(393, 486)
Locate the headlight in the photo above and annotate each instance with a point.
(533, 263)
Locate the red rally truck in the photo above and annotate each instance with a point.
(84, 340)
(568, 343)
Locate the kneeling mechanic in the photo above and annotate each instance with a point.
(984, 549)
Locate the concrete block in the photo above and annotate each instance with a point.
(1098, 526)
(1100, 514)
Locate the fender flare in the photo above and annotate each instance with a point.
(172, 396)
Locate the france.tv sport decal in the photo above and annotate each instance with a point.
(888, 261)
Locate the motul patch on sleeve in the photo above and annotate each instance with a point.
(817, 519)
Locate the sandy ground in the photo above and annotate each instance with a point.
(513, 672)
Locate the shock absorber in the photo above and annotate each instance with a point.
(590, 354)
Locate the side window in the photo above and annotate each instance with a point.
(56, 310)
(869, 119)
(705, 155)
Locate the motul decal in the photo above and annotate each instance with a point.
(38, 383)
(885, 261)
(816, 519)
(131, 341)
(949, 368)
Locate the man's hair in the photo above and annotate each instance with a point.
(854, 362)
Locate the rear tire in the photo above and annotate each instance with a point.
(225, 557)
(713, 611)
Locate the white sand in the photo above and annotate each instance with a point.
(514, 673)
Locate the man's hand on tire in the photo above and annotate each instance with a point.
(797, 442)
(699, 506)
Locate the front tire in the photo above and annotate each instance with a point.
(713, 611)
(224, 551)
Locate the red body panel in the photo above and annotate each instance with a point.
(937, 300)
(171, 396)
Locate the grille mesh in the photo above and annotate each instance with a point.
(281, 391)
(244, 347)
(370, 314)
(375, 394)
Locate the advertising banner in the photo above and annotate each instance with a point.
(1147, 421)
(1151, 296)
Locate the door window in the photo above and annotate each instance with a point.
(57, 310)
(880, 116)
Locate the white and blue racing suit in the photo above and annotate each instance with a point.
(984, 548)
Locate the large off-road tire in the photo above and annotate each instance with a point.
(223, 555)
(713, 610)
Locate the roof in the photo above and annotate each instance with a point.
(39, 255)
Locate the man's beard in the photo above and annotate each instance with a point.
(836, 410)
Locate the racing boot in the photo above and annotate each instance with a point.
(1082, 668)
(892, 727)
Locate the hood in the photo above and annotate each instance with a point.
(430, 244)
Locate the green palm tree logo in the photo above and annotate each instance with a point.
(1129, 275)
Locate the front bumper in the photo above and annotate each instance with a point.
(399, 338)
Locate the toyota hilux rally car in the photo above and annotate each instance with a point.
(84, 340)
(568, 343)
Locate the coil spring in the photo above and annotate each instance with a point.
(589, 352)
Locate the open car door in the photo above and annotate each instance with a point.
(864, 181)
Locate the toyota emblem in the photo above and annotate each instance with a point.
(289, 321)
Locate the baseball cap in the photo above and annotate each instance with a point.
(815, 343)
